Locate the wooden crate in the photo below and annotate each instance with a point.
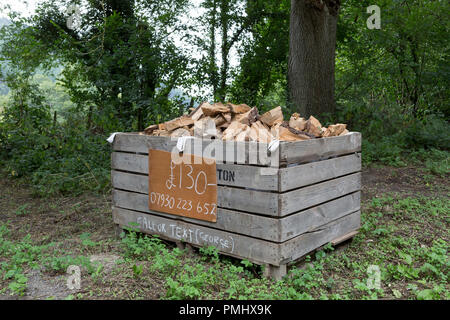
(268, 215)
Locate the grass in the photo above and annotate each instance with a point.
(403, 243)
(412, 259)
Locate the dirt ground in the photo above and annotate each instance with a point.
(64, 219)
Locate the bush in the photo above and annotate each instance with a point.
(390, 134)
(57, 158)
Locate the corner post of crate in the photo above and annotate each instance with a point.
(275, 272)
(180, 245)
(118, 231)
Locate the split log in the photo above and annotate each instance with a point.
(249, 117)
(227, 116)
(297, 122)
(197, 113)
(225, 125)
(161, 133)
(243, 135)
(220, 120)
(150, 129)
(272, 117)
(212, 110)
(334, 130)
(205, 128)
(287, 133)
(239, 108)
(314, 127)
(178, 123)
(275, 130)
(180, 132)
(233, 130)
(284, 134)
(242, 123)
(259, 132)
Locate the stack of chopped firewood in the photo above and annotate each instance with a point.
(232, 122)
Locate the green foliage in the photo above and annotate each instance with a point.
(61, 261)
(137, 246)
(391, 83)
(390, 136)
(86, 241)
(403, 261)
(137, 270)
(210, 252)
(120, 63)
(56, 157)
(261, 77)
(22, 209)
(18, 257)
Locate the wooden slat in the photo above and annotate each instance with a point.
(317, 149)
(314, 172)
(315, 217)
(266, 228)
(236, 245)
(260, 202)
(227, 174)
(231, 198)
(250, 152)
(300, 246)
(319, 202)
(244, 152)
(226, 242)
(343, 238)
(306, 197)
(228, 220)
(253, 177)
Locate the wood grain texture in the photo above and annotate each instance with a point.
(300, 246)
(225, 242)
(315, 217)
(260, 202)
(244, 247)
(314, 172)
(246, 152)
(233, 175)
(319, 149)
(228, 220)
(253, 177)
(306, 197)
(222, 151)
(256, 226)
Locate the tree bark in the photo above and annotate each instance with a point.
(212, 50)
(224, 21)
(312, 48)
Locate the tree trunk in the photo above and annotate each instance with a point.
(224, 21)
(212, 50)
(312, 50)
(89, 119)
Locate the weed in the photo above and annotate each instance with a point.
(22, 209)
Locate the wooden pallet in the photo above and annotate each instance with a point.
(269, 214)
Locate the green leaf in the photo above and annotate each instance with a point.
(426, 294)
(397, 293)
